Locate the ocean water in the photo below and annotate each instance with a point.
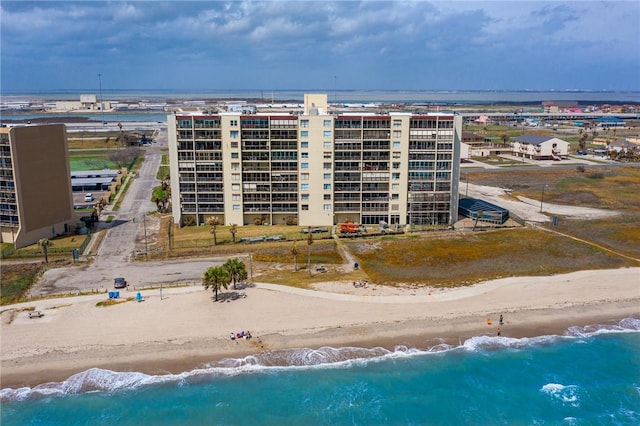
(589, 375)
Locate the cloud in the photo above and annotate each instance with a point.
(369, 44)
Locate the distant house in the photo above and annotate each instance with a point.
(538, 147)
(623, 145)
(472, 139)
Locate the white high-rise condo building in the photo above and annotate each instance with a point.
(315, 169)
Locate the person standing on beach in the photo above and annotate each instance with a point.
(501, 319)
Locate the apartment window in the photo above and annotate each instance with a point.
(396, 165)
(327, 197)
(327, 186)
(304, 207)
(396, 144)
(304, 123)
(327, 145)
(326, 207)
(327, 176)
(395, 196)
(304, 155)
(326, 166)
(304, 176)
(233, 122)
(397, 123)
(304, 186)
(236, 207)
(234, 155)
(395, 176)
(327, 133)
(235, 176)
(235, 197)
(235, 187)
(397, 133)
(304, 165)
(304, 197)
(396, 155)
(304, 133)
(304, 144)
(326, 123)
(395, 207)
(395, 186)
(235, 166)
(327, 155)
(234, 134)
(234, 144)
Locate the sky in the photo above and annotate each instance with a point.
(320, 45)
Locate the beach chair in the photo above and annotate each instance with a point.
(139, 297)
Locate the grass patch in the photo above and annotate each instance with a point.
(111, 302)
(16, 280)
(454, 259)
(61, 246)
(163, 170)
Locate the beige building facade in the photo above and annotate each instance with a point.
(35, 187)
(315, 169)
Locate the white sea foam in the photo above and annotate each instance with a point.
(101, 380)
(567, 394)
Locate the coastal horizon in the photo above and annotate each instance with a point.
(516, 96)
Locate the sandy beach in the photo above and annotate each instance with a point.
(186, 329)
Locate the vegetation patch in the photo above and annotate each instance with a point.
(16, 280)
(455, 259)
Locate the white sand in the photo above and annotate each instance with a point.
(187, 328)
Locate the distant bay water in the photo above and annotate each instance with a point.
(346, 96)
(423, 97)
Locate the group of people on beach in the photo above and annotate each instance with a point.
(240, 335)
(489, 322)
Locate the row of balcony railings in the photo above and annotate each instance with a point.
(425, 216)
(359, 123)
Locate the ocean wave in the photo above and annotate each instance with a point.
(565, 394)
(102, 380)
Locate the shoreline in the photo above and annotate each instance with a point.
(187, 329)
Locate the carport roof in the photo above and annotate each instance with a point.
(532, 139)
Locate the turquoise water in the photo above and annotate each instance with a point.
(588, 376)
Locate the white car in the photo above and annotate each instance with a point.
(88, 197)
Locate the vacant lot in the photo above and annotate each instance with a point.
(611, 188)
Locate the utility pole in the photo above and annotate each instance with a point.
(101, 104)
(146, 247)
(542, 198)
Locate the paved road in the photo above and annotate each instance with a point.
(113, 257)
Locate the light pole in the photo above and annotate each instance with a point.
(101, 104)
(146, 247)
(542, 198)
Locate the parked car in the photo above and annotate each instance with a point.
(35, 314)
(88, 197)
(120, 283)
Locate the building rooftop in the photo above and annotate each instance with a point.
(533, 139)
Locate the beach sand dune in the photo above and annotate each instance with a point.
(187, 328)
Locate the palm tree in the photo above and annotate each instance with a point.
(582, 142)
(505, 139)
(309, 242)
(213, 222)
(215, 277)
(233, 230)
(44, 244)
(294, 252)
(236, 270)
